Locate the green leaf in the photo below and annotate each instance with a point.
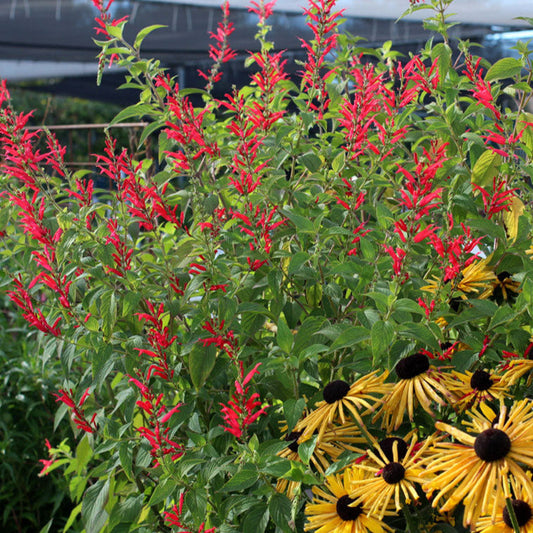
(293, 410)
(279, 507)
(306, 449)
(310, 161)
(243, 479)
(421, 333)
(137, 110)
(125, 454)
(201, 362)
(93, 506)
(284, 336)
(350, 337)
(256, 519)
(162, 491)
(108, 309)
(508, 67)
(346, 458)
(72, 517)
(382, 335)
(144, 32)
(486, 168)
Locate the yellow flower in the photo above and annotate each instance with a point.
(515, 369)
(341, 400)
(476, 276)
(523, 512)
(335, 441)
(333, 511)
(419, 383)
(394, 471)
(502, 289)
(471, 388)
(476, 469)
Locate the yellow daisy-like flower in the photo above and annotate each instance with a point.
(472, 388)
(335, 441)
(476, 277)
(515, 369)
(419, 383)
(341, 400)
(333, 511)
(394, 471)
(502, 289)
(476, 469)
(523, 511)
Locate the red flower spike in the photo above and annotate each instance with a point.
(77, 412)
(244, 408)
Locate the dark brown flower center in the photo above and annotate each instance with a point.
(502, 276)
(522, 511)
(412, 366)
(346, 512)
(387, 446)
(393, 473)
(480, 380)
(336, 390)
(492, 444)
(293, 437)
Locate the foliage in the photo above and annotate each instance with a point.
(348, 262)
(27, 413)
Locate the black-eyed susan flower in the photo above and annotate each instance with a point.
(515, 369)
(523, 512)
(394, 475)
(471, 388)
(341, 400)
(476, 277)
(335, 441)
(419, 383)
(502, 289)
(479, 467)
(333, 511)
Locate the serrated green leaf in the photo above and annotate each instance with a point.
(243, 479)
(310, 161)
(421, 333)
(508, 67)
(284, 336)
(486, 168)
(382, 334)
(201, 362)
(162, 491)
(279, 507)
(256, 519)
(94, 502)
(125, 454)
(350, 337)
(293, 410)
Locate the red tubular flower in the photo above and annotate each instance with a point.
(499, 199)
(244, 408)
(223, 340)
(173, 517)
(397, 258)
(159, 340)
(482, 89)
(122, 254)
(34, 317)
(220, 52)
(76, 408)
(262, 9)
(158, 415)
(323, 23)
